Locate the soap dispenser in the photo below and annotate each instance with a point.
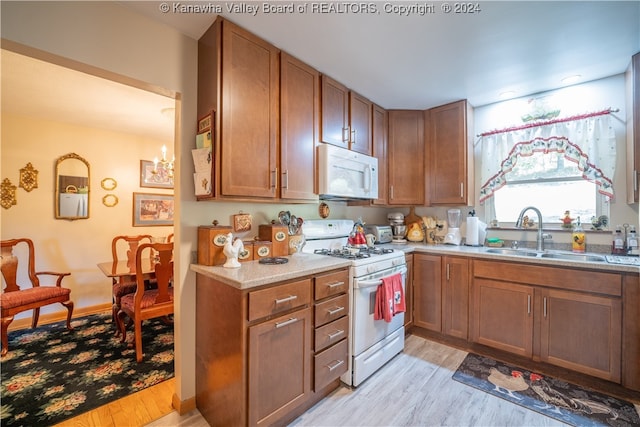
(578, 243)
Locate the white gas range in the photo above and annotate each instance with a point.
(372, 343)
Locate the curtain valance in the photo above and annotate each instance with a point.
(588, 140)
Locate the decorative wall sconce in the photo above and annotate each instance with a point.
(110, 200)
(109, 184)
(28, 178)
(7, 194)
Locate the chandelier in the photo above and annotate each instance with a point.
(163, 166)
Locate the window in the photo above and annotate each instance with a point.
(551, 183)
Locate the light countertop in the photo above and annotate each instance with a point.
(252, 274)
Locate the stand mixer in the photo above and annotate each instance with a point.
(398, 227)
(453, 236)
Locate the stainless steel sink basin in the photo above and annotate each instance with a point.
(516, 252)
(573, 257)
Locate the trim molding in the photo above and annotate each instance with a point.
(183, 406)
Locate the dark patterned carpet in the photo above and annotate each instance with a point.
(51, 374)
(565, 402)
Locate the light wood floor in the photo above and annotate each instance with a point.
(414, 389)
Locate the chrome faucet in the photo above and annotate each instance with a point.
(541, 237)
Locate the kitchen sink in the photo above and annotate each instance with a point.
(559, 255)
(573, 257)
(516, 252)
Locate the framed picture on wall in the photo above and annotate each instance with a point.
(152, 209)
(152, 178)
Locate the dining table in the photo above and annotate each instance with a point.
(122, 270)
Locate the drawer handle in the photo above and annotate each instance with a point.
(335, 285)
(287, 299)
(335, 365)
(335, 310)
(335, 334)
(286, 322)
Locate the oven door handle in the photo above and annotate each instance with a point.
(367, 283)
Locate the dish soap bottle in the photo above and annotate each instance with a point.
(578, 243)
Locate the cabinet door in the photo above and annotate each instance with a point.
(334, 117)
(360, 116)
(279, 366)
(450, 155)
(406, 157)
(502, 316)
(379, 151)
(299, 120)
(581, 332)
(249, 116)
(455, 297)
(427, 292)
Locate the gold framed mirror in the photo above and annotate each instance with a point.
(72, 187)
(109, 184)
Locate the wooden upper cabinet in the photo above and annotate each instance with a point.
(632, 78)
(249, 114)
(299, 122)
(334, 112)
(380, 128)
(450, 154)
(406, 157)
(360, 119)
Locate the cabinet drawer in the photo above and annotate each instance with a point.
(331, 333)
(330, 364)
(270, 301)
(331, 284)
(331, 310)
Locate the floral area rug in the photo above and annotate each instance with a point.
(51, 374)
(565, 402)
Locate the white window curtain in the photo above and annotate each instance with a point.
(588, 140)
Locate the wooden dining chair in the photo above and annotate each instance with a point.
(145, 303)
(127, 247)
(29, 295)
(170, 238)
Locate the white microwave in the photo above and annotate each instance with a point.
(345, 174)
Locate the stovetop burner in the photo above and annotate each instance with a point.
(353, 253)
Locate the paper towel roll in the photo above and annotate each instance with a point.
(472, 231)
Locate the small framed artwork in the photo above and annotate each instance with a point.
(152, 178)
(152, 209)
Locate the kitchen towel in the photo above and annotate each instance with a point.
(389, 298)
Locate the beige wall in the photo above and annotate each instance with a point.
(73, 246)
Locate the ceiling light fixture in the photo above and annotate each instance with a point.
(571, 79)
(163, 166)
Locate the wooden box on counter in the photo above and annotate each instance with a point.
(278, 235)
(211, 240)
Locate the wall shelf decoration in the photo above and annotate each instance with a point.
(8, 194)
(110, 200)
(28, 178)
(242, 222)
(109, 184)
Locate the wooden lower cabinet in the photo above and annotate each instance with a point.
(264, 356)
(527, 310)
(501, 316)
(581, 332)
(441, 294)
(279, 369)
(408, 295)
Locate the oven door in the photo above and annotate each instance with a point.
(366, 331)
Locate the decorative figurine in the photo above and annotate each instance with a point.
(567, 221)
(231, 250)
